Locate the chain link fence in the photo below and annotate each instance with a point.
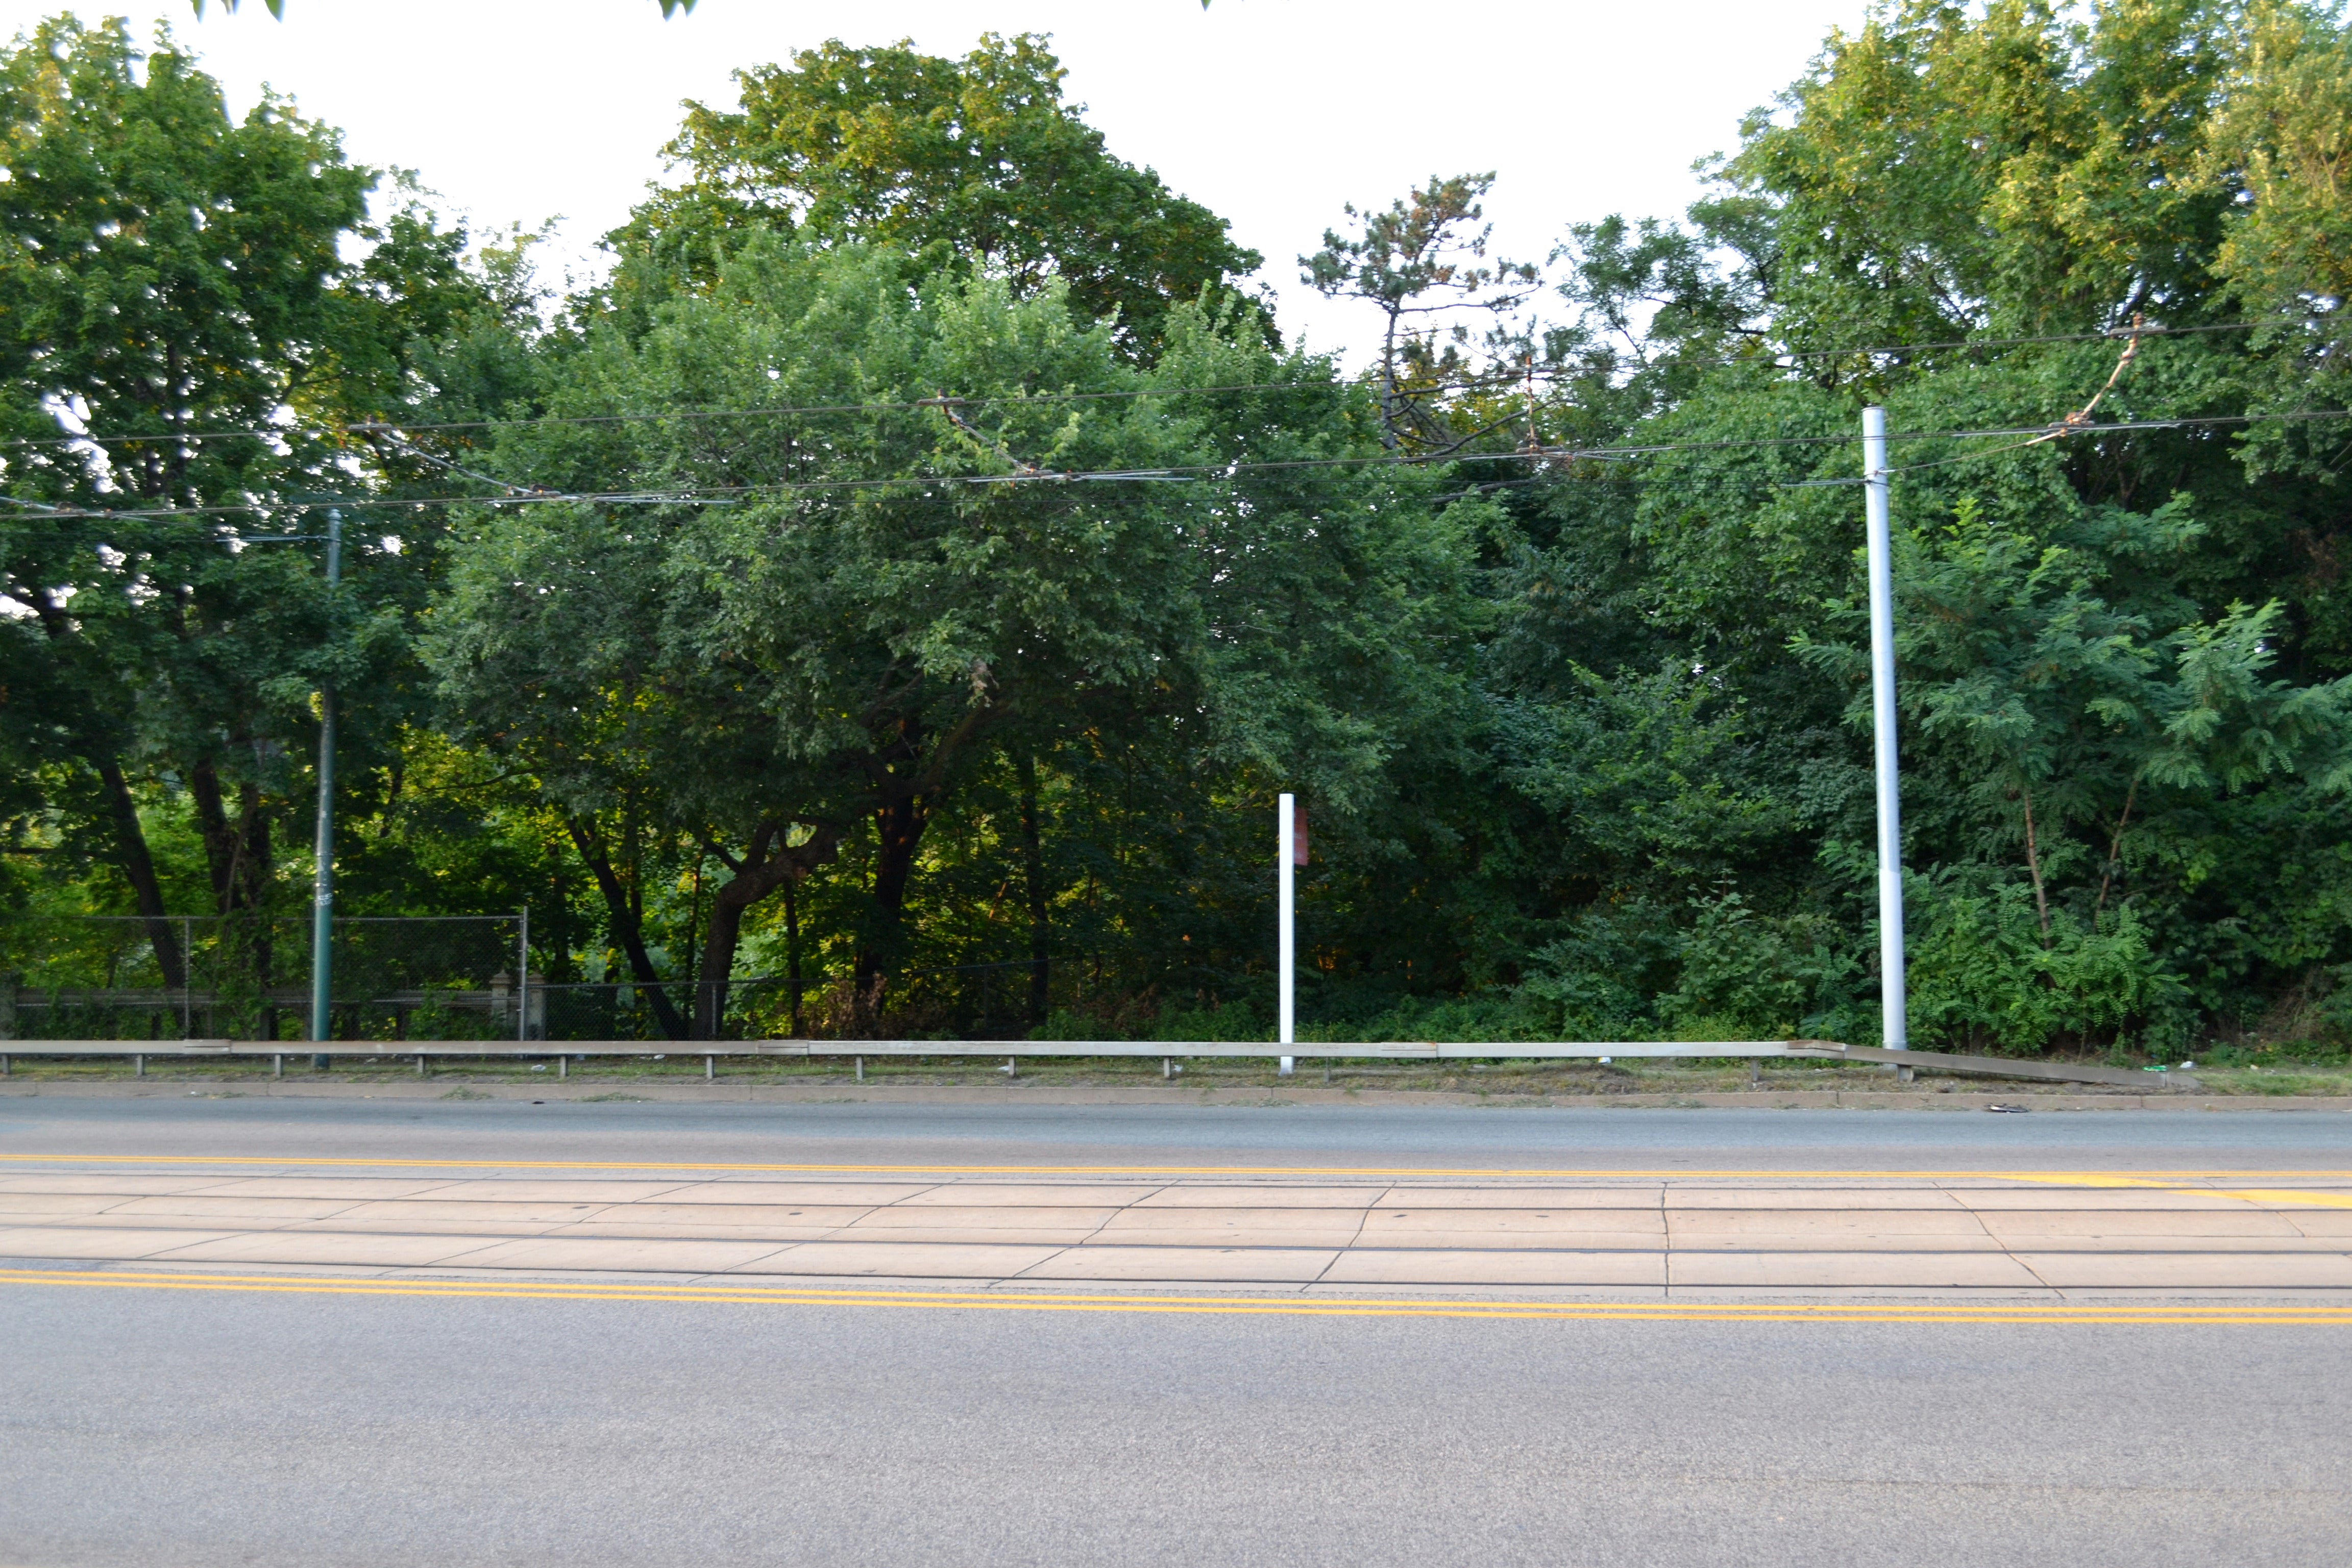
(467, 977)
(102, 977)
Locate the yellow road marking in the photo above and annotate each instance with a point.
(2325, 1200)
(2145, 1179)
(1244, 1306)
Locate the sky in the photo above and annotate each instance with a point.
(1275, 113)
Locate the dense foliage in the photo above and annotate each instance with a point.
(916, 568)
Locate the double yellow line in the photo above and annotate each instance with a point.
(1224, 1306)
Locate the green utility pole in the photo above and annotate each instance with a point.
(323, 893)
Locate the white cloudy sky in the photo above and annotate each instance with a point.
(1273, 113)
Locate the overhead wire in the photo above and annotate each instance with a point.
(1508, 379)
(726, 495)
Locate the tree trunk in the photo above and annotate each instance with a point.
(627, 926)
(139, 870)
(898, 831)
(2034, 864)
(2115, 850)
(767, 865)
(718, 959)
(1032, 858)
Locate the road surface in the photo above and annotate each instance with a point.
(318, 1331)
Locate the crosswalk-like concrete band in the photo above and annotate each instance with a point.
(2063, 1243)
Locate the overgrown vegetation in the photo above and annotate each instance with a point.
(741, 614)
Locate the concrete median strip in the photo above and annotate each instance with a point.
(2038, 1235)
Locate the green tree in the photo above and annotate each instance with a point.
(169, 275)
(977, 159)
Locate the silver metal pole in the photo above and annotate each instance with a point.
(1287, 942)
(1895, 1029)
(522, 976)
(323, 887)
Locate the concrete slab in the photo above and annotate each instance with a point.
(1037, 1235)
(364, 1224)
(282, 1248)
(1844, 1219)
(1434, 1265)
(1236, 1195)
(1527, 1227)
(1834, 1241)
(2331, 1222)
(1228, 1227)
(2089, 1199)
(1203, 1264)
(2132, 1224)
(866, 1261)
(984, 1194)
(624, 1224)
(755, 1190)
(1564, 1196)
(2189, 1270)
(1936, 1269)
(794, 1216)
(237, 1210)
(75, 1241)
(103, 1182)
(350, 1189)
(979, 1217)
(1680, 1198)
(656, 1255)
(38, 1206)
(560, 1193)
(470, 1212)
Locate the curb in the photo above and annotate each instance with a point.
(561, 1091)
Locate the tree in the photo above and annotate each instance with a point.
(169, 275)
(816, 652)
(977, 159)
(1421, 263)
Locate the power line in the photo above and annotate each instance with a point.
(728, 494)
(365, 428)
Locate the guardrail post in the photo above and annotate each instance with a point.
(6, 1067)
(1168, 1068)
(278, 1063)
(711, 1067)
(420, 1063)
(138, 1065)
(860, 1062)
(563, 1067)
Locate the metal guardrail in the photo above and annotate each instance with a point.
(565, 1052)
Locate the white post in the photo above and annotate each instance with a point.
(1287, 942)
(1895, 1029)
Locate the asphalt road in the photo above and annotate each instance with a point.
(934, 1136)
(143, 1428)
(154, 1422)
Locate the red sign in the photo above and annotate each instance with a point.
(1299, 835)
